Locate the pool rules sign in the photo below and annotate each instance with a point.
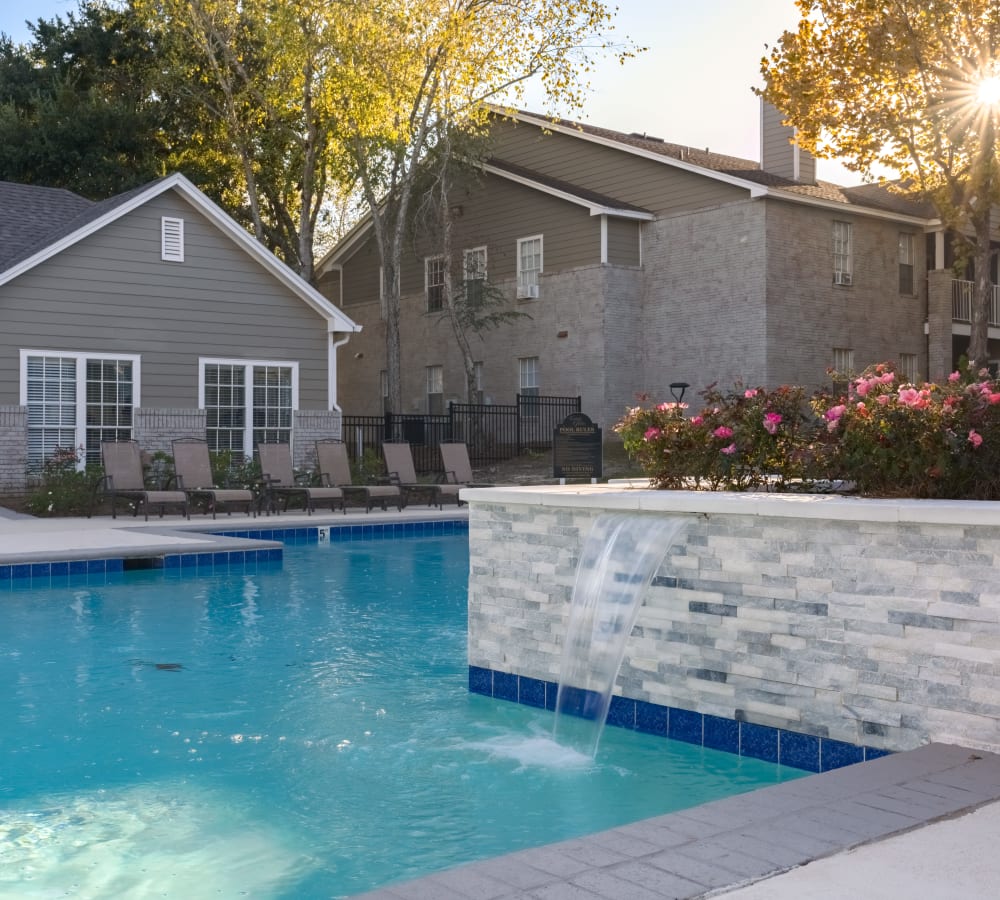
(577, 450)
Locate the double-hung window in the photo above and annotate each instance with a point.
(77, 400)
(529, 266)
(474, 273)
(248, 403)
(435, 390)
(842, 262)
(905, 263)
(434, 282)
(527, 367)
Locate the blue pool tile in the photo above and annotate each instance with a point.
(759, 741)
(204, 560)
(686, 726)
(221, 560)
(77, 566)
(505, 686)
(651, 718)
(621, 712)
(189, 561)
(5, 574)
(172, 562)
(60, 568)
(801, 751)
(115, 565)
(237, 558)
(551, 695)
(481, 681)
(41, 570)
(96, 566)
(722, 734)
(837, 754)
(875, 753)
(531, 692)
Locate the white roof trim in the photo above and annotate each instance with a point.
(596, 209)
(852, 209)
(756, 190)
(335, 319)
(346, 245)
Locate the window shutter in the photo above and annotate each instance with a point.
(172, 239)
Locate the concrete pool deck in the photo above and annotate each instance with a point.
(918, 824)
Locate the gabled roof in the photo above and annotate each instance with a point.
(40, 223)
(868, 199)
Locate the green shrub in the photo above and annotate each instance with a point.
(63, 489)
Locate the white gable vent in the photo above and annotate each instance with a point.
(172, 239)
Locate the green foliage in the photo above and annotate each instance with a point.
(63, 490)
(743, 439)
(369, 468)
(880, 438)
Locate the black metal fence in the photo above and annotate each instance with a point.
(492, 433)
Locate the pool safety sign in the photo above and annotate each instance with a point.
(577, 449)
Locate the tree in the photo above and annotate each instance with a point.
(76, 109)
(411, 70)
(264, 73)
(910, 85)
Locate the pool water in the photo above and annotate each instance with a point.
(301, 732)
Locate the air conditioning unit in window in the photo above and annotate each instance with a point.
(841, 277)
(527, 292)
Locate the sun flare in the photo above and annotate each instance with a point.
(988, 92)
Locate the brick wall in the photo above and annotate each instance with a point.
(310, 426)
(155, 429)
(877, 625)
(13, 448)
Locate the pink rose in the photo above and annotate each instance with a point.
(975, 438)
(955, 376)
(723, 432)
(696, 420)
(771, 422)
(652, 434)
(730, 450)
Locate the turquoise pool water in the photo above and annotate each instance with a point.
(301, 732)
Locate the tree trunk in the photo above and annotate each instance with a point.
(982, 298)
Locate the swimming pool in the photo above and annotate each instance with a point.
(296, 731)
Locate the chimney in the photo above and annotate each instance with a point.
(779, 154)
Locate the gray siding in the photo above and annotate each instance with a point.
(111, 293)
(777, 153)
(650, 184)
(624, 236)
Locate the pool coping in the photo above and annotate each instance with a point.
(724, 845)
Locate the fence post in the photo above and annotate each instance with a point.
(517, 420)
(388, 427)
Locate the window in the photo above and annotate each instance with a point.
(434, 282)
(529, 265)
(905, 263)
(474, 273)
(842, 272)
(477, 380)
(843, 361)
(528, 386)
(171, 239)
(248, 403)
(908, 367)
(77, 400)
(435, 390)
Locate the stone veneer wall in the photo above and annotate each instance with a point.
(155, 429)
(309, 426)
(865, 621)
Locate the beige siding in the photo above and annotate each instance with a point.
(777, 153)
(650, 184)
(623, 242)
(112, 293)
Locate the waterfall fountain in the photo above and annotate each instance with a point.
(619, 558)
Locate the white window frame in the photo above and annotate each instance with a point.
(82, 358)
(434, 277)
(435, 388)
(474, 264)
(843, 253)
(527, 385)
(843, 360)
(527, 277)
(249, 365)
(908, 367)
(171, 239)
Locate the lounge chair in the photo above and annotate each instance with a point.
(399, 464)
(122, 461)
(193, 470)
(279, 480)
(335, 471)
(457, 468)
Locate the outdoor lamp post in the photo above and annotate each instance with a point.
(677, 389)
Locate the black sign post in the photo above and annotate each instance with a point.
(577, 450)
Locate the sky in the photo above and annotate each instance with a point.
(692, 86)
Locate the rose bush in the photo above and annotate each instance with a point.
(880, 437)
